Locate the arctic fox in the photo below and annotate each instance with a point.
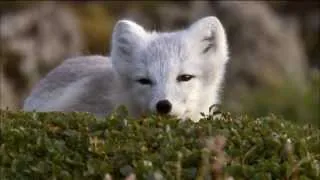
(172, 73)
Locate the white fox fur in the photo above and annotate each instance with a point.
(185, 68)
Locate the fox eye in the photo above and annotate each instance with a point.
(144, 81)
(185, 77)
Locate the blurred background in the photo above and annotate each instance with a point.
(274, 65)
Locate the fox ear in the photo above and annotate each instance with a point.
(126, 37)
(208, 35)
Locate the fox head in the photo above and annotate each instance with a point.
(175, 73)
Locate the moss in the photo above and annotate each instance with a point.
(80, 146)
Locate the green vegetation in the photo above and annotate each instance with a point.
(287, 101)
(80, 146)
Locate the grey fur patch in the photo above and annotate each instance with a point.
(123, 46)
(212, 43)
(208, 48)
(124, 51)
(123, 40)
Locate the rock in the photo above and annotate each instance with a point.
(7, 97)
(34, 40)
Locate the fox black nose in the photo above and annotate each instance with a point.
(163, 107)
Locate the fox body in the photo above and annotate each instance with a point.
(175, 73)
